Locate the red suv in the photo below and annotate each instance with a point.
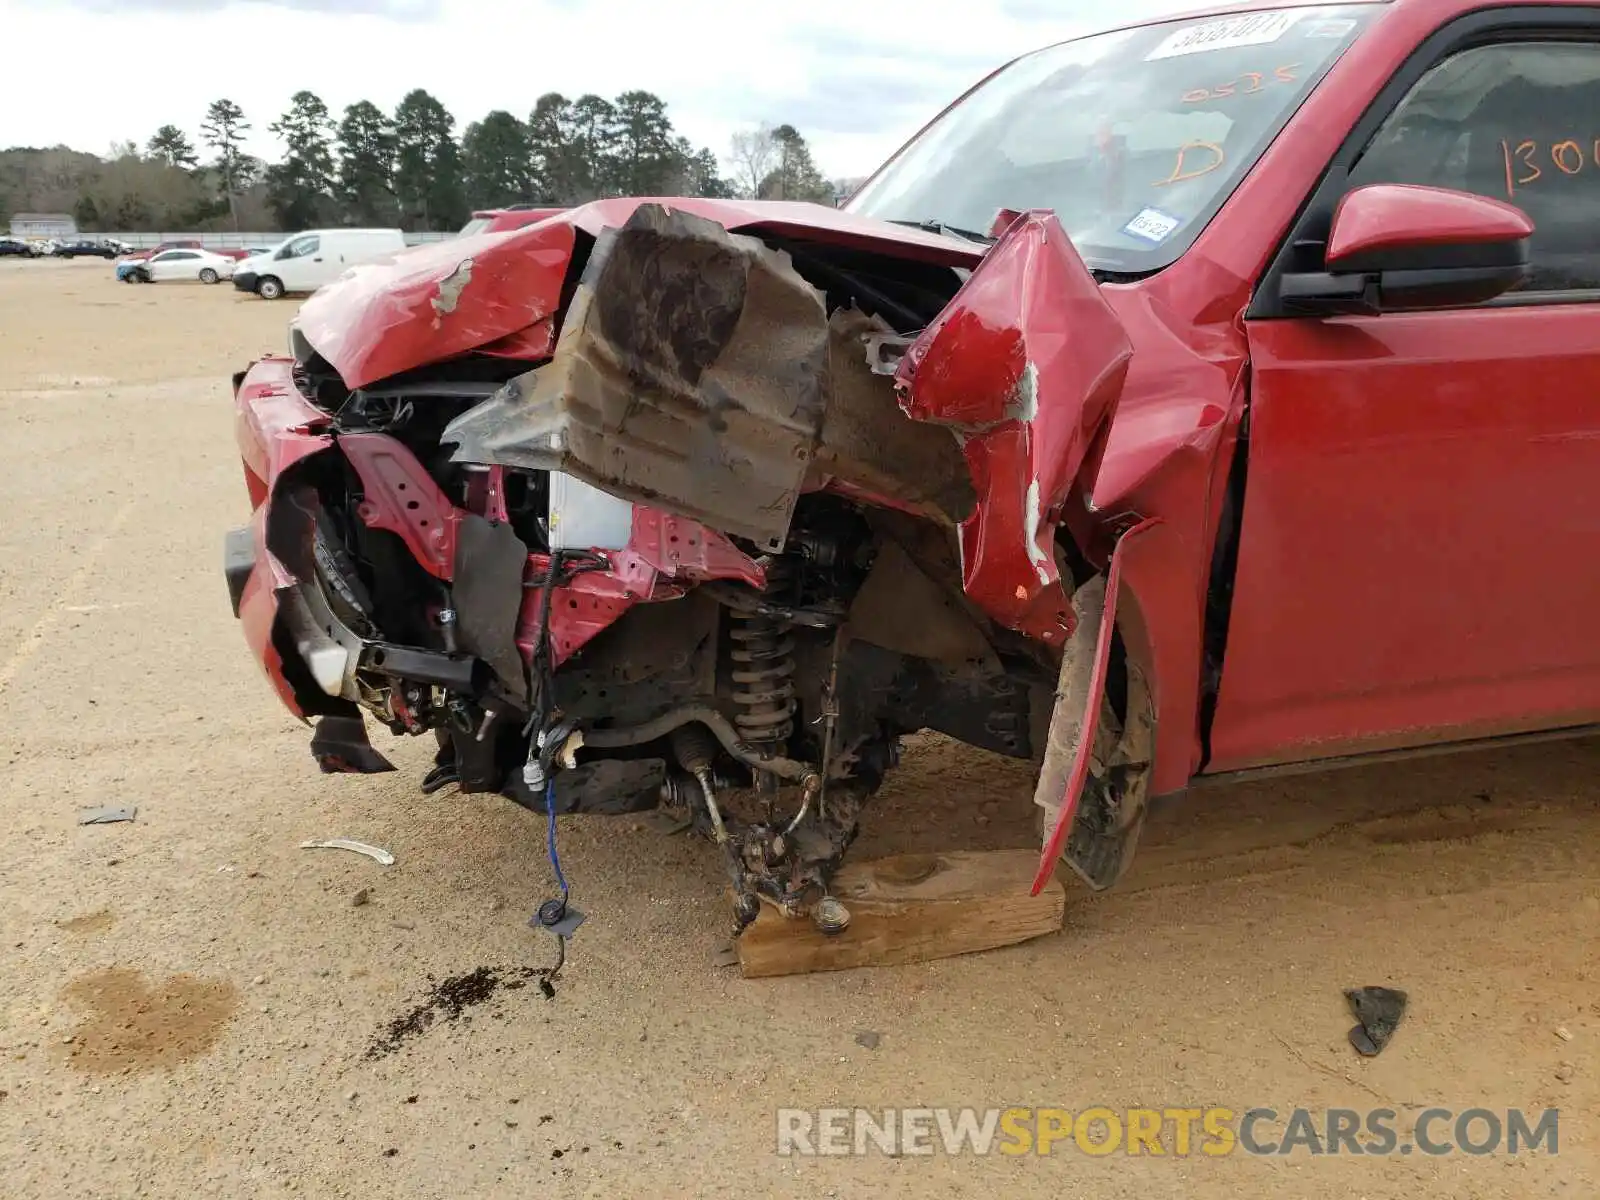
(1170, 409)
(498, 220)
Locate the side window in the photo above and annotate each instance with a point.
(301, 247)
(1515, 122)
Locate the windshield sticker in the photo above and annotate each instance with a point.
(1254, 29)
(1152, 225)
(1330, 28)
(1247, 84)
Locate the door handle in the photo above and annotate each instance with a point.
(316, 260)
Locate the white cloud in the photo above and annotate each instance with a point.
(855, 79)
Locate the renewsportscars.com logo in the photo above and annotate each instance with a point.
(1164, 1132)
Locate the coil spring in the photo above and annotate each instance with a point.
(763, 672)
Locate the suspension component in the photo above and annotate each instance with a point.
(763, 668)
(695, 749)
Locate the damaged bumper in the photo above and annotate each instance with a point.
(275, 429)
(708, 421)
(698, 371)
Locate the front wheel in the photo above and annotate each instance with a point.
(269, 288)
(208, 276)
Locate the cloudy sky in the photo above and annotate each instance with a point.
(856, 77)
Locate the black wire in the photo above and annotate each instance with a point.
(564, 566)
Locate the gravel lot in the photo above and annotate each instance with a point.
(186, 1000)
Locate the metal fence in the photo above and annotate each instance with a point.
(234, 241)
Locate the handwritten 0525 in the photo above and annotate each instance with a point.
(1247, 84)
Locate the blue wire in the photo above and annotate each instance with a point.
(555, 859)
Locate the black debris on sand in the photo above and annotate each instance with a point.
(447, 1001)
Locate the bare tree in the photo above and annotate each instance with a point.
(754, 153)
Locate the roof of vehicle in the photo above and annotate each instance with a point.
(1249, 6)
(343, 229)
(515, 208)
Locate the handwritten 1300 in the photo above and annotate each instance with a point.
(1530, 161)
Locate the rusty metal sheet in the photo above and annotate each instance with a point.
(688, 375)
(871, 445)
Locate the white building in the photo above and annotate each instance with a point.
(42, 225)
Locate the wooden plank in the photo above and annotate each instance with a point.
(911, 908)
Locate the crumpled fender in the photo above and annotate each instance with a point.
(1102, 850)
(1025, 366)
(275, 429)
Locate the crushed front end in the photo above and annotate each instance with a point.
(640, 517)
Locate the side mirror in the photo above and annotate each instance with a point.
(1394, 247)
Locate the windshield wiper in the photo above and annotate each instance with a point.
(933, 226)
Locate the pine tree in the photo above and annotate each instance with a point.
(223, 130)
(646, 162)
(428, 164)
(300, 188)
(795, 177)
(497, 160)
(366, 152)
(173, 147)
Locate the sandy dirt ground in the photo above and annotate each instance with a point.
(186, 1000)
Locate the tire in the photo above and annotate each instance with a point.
(208, 276)
(269, 287)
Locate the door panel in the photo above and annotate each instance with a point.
(1420, 552)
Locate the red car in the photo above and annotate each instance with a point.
(142, 255)
(498, 220)
(1162, 412)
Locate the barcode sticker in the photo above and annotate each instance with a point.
(1252, 29)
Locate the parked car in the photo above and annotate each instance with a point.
(515, 216)
(1204, 399)
(86, 248)
(170, 266)
(142, 255)
(15, 248)
(304, 262)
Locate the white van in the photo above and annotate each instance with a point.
(305, 261)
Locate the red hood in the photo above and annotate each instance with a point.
(435, 301)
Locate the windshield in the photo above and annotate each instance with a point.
(1133, 138)
(476, 225)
